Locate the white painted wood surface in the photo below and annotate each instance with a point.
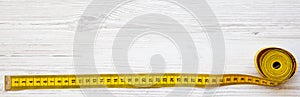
(36, 37)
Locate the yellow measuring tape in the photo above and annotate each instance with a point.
(276, 66)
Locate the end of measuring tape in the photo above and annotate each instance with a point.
(276, 64)
(7, 83)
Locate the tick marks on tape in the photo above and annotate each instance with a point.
(115, 79)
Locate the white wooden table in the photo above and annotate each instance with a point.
(36, 37)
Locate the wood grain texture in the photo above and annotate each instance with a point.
(36, 37)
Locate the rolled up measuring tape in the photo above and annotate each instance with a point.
(275, 65)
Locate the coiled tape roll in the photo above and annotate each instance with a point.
(276, 66)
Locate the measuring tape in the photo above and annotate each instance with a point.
(276, 66)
